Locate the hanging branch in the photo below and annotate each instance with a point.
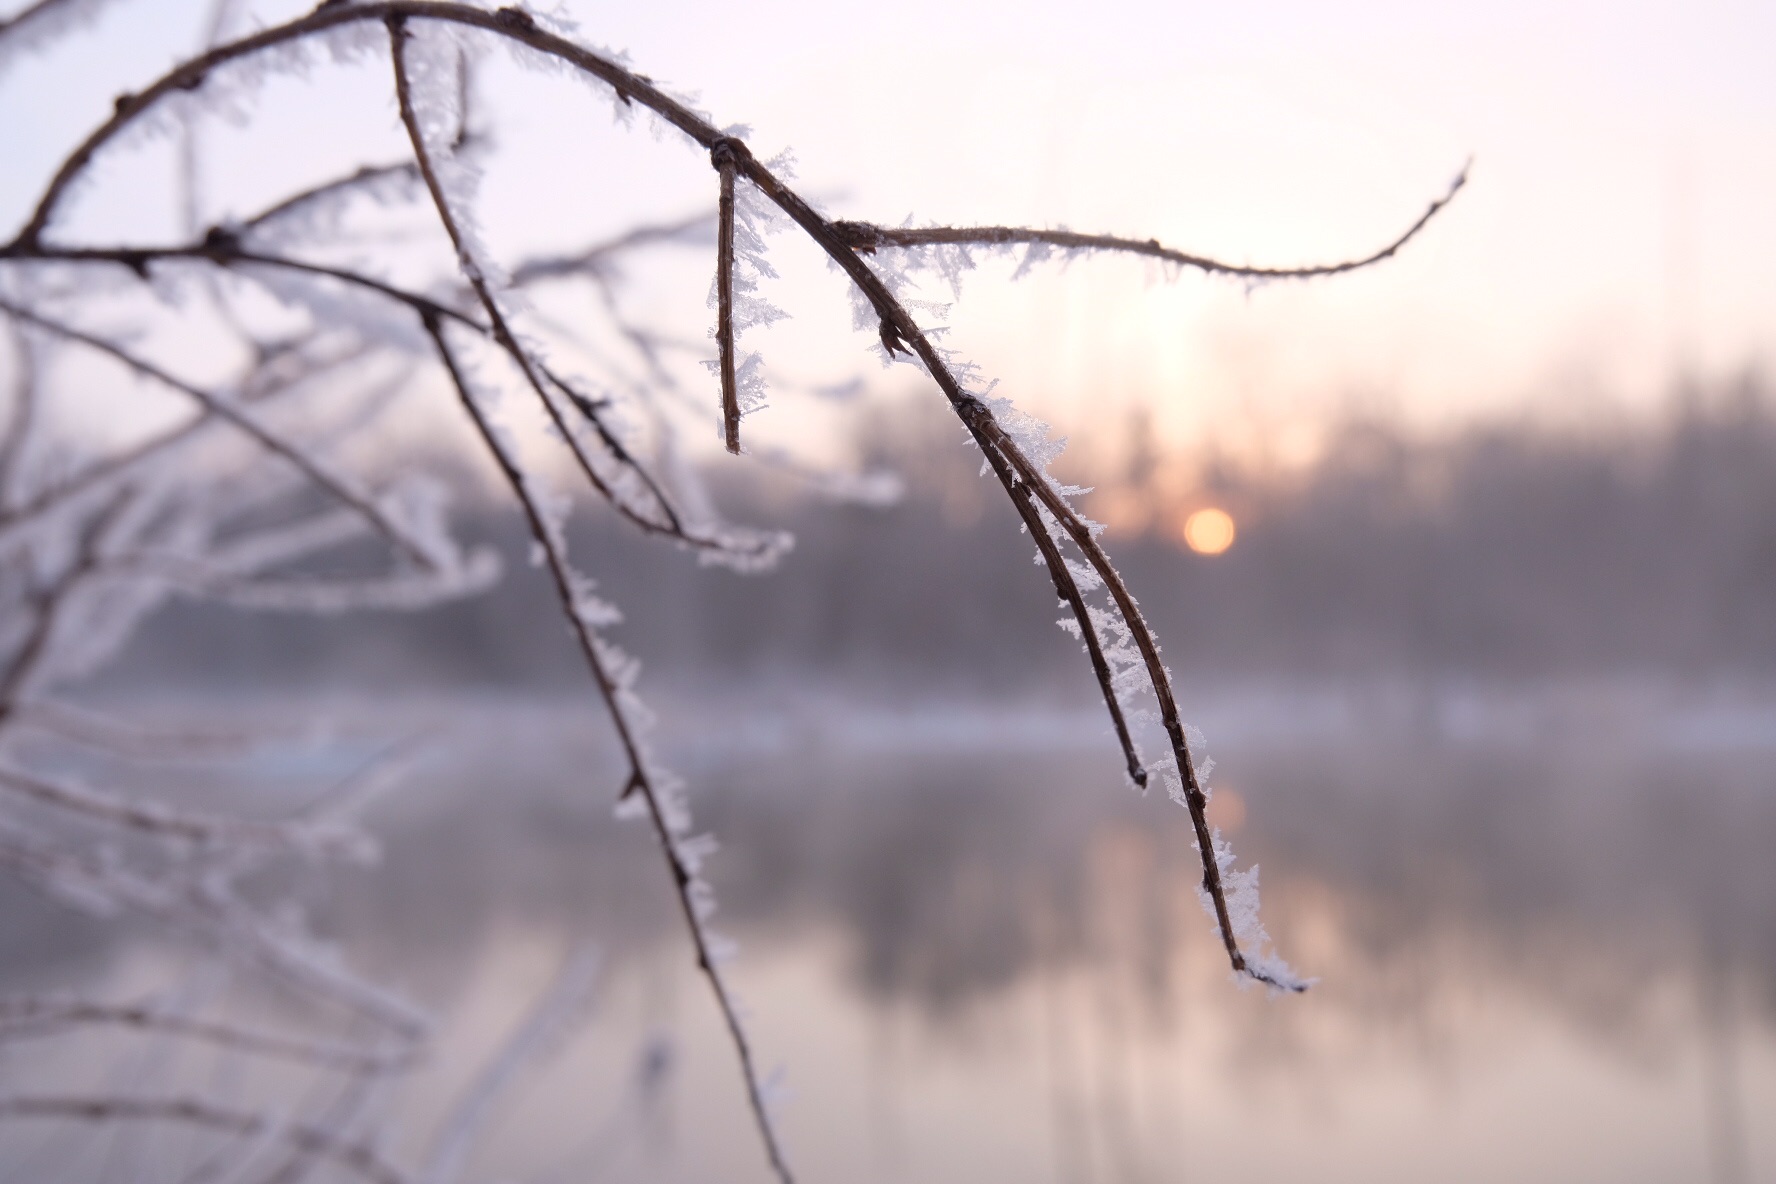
(1067, 588)
(725, 156)
(641, 779)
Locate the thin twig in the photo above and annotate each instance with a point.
(361, 1158)
(597, 257)
(867, 237)
(724, 156)
(205, 907)
(364, 177)
(32, 1017)
(81, 725)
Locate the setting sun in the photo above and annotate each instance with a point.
(1209, 531)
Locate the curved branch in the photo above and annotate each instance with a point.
(867, 237)
(511, 23)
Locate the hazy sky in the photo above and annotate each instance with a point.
(1618, 223)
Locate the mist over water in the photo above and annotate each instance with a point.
(1543, 923)
(1496, 716)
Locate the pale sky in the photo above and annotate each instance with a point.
(1618, 224)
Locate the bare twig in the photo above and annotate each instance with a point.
(536, 374)
(52, 496)
(39, 19)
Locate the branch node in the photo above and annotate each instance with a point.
(221, 241)
(728, 152)
(892, 341)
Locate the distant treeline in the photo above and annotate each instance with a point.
(1501, 551)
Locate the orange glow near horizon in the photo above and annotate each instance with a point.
(1209, 531)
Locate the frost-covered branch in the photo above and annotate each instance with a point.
(725, 156)
(92, 545)
(867, 238)
(659, 793)
(40, 1016)
(243, 418)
